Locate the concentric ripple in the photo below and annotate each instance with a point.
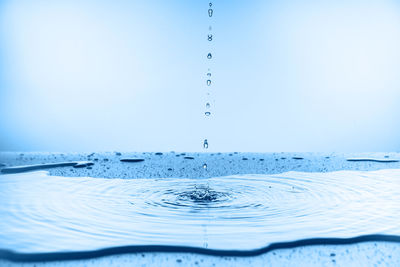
(42, 213)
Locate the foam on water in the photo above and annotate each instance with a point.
(42, 213)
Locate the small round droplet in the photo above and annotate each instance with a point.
(207, 113)
(209, 56)
(208, 105)
(205, 166)
(210, 12)
(205, 144)
(208, 82)
(209, 37)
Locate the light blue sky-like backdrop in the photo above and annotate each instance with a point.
(288, 75)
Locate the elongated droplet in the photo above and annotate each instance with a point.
(205, 144)
(207, 113)
(210, 12)
(208, 82)
(208, 105)
(209, 56)
(209, 37)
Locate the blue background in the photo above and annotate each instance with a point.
(131, 75)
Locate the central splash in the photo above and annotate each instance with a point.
(202, 195)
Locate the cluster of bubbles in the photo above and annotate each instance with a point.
(207, 111)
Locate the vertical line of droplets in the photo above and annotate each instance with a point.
(207, 112)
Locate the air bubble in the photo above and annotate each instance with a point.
(209, 56)
(205, 166)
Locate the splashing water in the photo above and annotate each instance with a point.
(42, 213)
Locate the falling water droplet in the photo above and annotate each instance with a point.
(205, 144)
(209, 74)
(208, 105)
(210, 4)
(205, 166)
(209, 56)
(208, 82)
(209, 37)
(210, 12)
(207, 113)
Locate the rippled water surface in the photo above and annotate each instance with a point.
(42, 213)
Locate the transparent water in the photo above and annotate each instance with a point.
(42, 213)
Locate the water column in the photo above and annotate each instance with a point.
(207, 106)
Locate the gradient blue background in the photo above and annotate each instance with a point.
(130, 75)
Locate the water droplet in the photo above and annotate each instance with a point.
(208, 82)
(205, 166)
(209, 56)
(207, 113)
(208, 105)
(210, 12)
(210, 4)
(209, 37)
(205, 144)
(209, 74)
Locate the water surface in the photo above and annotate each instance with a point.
(42, 213)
